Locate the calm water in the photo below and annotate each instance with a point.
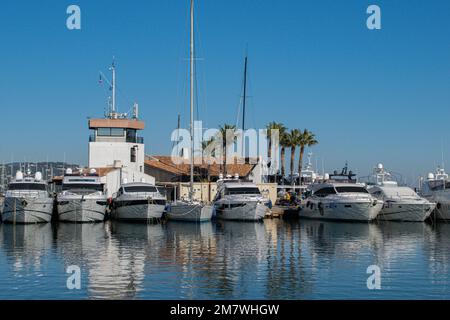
(225, 260)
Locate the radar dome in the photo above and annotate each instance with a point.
(69, 171)
(430, 176)
(326, 176)
(92, 171)
(380, 166)
(19, 175)
(38, 176)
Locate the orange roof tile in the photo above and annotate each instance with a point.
(165, 163)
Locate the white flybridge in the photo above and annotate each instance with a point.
(239, 200)
(190, 210)
(340, 198)
(400, 203)
(138, 201)
(82, 198)
(27, 200)
(436, 188)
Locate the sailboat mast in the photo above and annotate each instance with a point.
(192, 101)
(245, 94)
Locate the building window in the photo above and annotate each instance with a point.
(110, 132)
(117, 132)
(133, 155)
(104, 131)
(131, 135)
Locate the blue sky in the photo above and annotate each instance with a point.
(370, 96)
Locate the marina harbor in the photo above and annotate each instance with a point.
(231, 150)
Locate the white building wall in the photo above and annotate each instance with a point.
(103, 154)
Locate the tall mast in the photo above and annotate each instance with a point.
(245, 94)
(192, 101)
(113, 88)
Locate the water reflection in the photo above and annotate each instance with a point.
(232, 260)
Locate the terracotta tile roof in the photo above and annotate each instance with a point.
(165, 163)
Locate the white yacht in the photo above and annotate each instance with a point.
(436, 188)
(400, 203)
(138, 201)
(27, 200)
(340, 198)
(239, 200)
(190, 209)
(82, 198)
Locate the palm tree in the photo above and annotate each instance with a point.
(224, 132)
(292, 141)
(274, 126)
(307, 139)
(284, 144)
(206, 145)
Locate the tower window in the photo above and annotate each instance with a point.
(110, 132)
(133, 155)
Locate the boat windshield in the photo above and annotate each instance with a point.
(242, 190)
(351, 189)
(27, 186)
(141, 189)
(82, 186)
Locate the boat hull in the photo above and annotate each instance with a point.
(137, 211)
(412, 212)
(347, 211)
(189, 212)
(80, 211)
(27, 210)
(248, 211)
(442, 211)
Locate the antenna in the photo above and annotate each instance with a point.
(113, 88)
(135, 111)
(442, 153)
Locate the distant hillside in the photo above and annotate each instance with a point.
(48, 169)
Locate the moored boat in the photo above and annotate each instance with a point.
(82, 198)
(138, 201)
(400, 203)
(27, 200)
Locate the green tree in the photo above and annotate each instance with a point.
(307, 139)
(292, 141)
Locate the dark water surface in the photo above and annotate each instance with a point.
(225, 260)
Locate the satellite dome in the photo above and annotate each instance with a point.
(69, 171)
(38, 176)
(19, 175)
(327, 176)
(430, 176)
(92, 171)
(380, 166)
